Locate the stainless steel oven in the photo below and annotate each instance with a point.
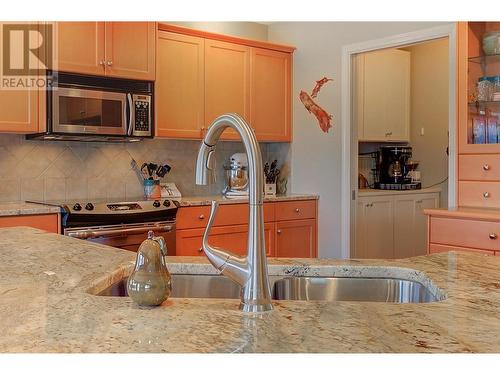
(126, 236)
(89, 108)
(124, 223)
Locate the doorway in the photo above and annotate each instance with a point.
(401, 46)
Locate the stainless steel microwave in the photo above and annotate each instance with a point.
(91, 108)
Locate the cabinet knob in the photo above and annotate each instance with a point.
(297, 210)
(200, 250)
(493, 236)
(109, 63)
(486, 194)
(101, 62)
(201, 217)
(486, 167)
(278, 231)
(420, 201)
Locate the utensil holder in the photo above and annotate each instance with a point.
(152, 189)
(270, 189)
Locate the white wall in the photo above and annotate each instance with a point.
(249, 30)
(429, 110)
(316, 156)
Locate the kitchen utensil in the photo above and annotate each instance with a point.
(150, 282)
(152, 167)
(143, 172)
(136, 169)
(163, 170)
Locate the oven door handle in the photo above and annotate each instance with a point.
(88, 234)
(131, 109)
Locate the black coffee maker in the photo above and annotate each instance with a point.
(393, 168)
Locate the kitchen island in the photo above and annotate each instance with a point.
(47, 305)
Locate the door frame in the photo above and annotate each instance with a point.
(350, 168)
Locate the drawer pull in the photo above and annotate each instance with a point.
(388, 134)
(201, 217)
(486, 167)
(297, 210)
(493, 236)
(486, 194)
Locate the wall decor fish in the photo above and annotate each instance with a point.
(323, 117)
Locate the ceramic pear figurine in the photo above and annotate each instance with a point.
(150, 282)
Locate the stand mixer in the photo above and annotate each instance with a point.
(236, 181)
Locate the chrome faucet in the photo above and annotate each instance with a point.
(249, 272)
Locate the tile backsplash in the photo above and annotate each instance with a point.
(39, 170)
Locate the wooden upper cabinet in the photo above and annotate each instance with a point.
(180, 107)
(271, 94)
(19, 109)
(79, 47)
(119, 49)
(130, 49)
(227, 81)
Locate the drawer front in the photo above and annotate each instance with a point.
(293, 210)
(473, 234)
(436, 248)
(227, 214)
(479, 194)
(479, 167)
(232, 238)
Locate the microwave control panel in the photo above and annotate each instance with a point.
(142, 115)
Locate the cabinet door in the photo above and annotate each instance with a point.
(233, 238)
(296, 239)
(410, 223)
(19, 108)
(130, 49)
(179, 86)
(227, 82)
(271, 94)
(375, 228)
(79, 47)
(46, 222)
(385, 101)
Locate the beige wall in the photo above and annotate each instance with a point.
(316, 165)
(429, 110)
(250, 30)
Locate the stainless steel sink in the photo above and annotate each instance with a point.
(297, 288)
(352, 289)
(187, 286)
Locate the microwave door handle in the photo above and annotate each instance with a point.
(130, 105)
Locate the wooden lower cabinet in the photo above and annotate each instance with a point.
(290, 229)
(232, 237)
(296, 239)
(47, 222)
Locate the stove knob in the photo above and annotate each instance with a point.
(89, 206)
(77, 207)
(156, 204)
(166, 203)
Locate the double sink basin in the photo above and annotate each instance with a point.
(298, 288)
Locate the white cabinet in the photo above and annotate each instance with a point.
(392, 225)
(382, 89)
(374, 228)
(410, 223)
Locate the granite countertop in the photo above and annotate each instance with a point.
(474, 213)
(45, 306)
(24, 208)
(207, 200)
(28, 208)
(377, 192)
